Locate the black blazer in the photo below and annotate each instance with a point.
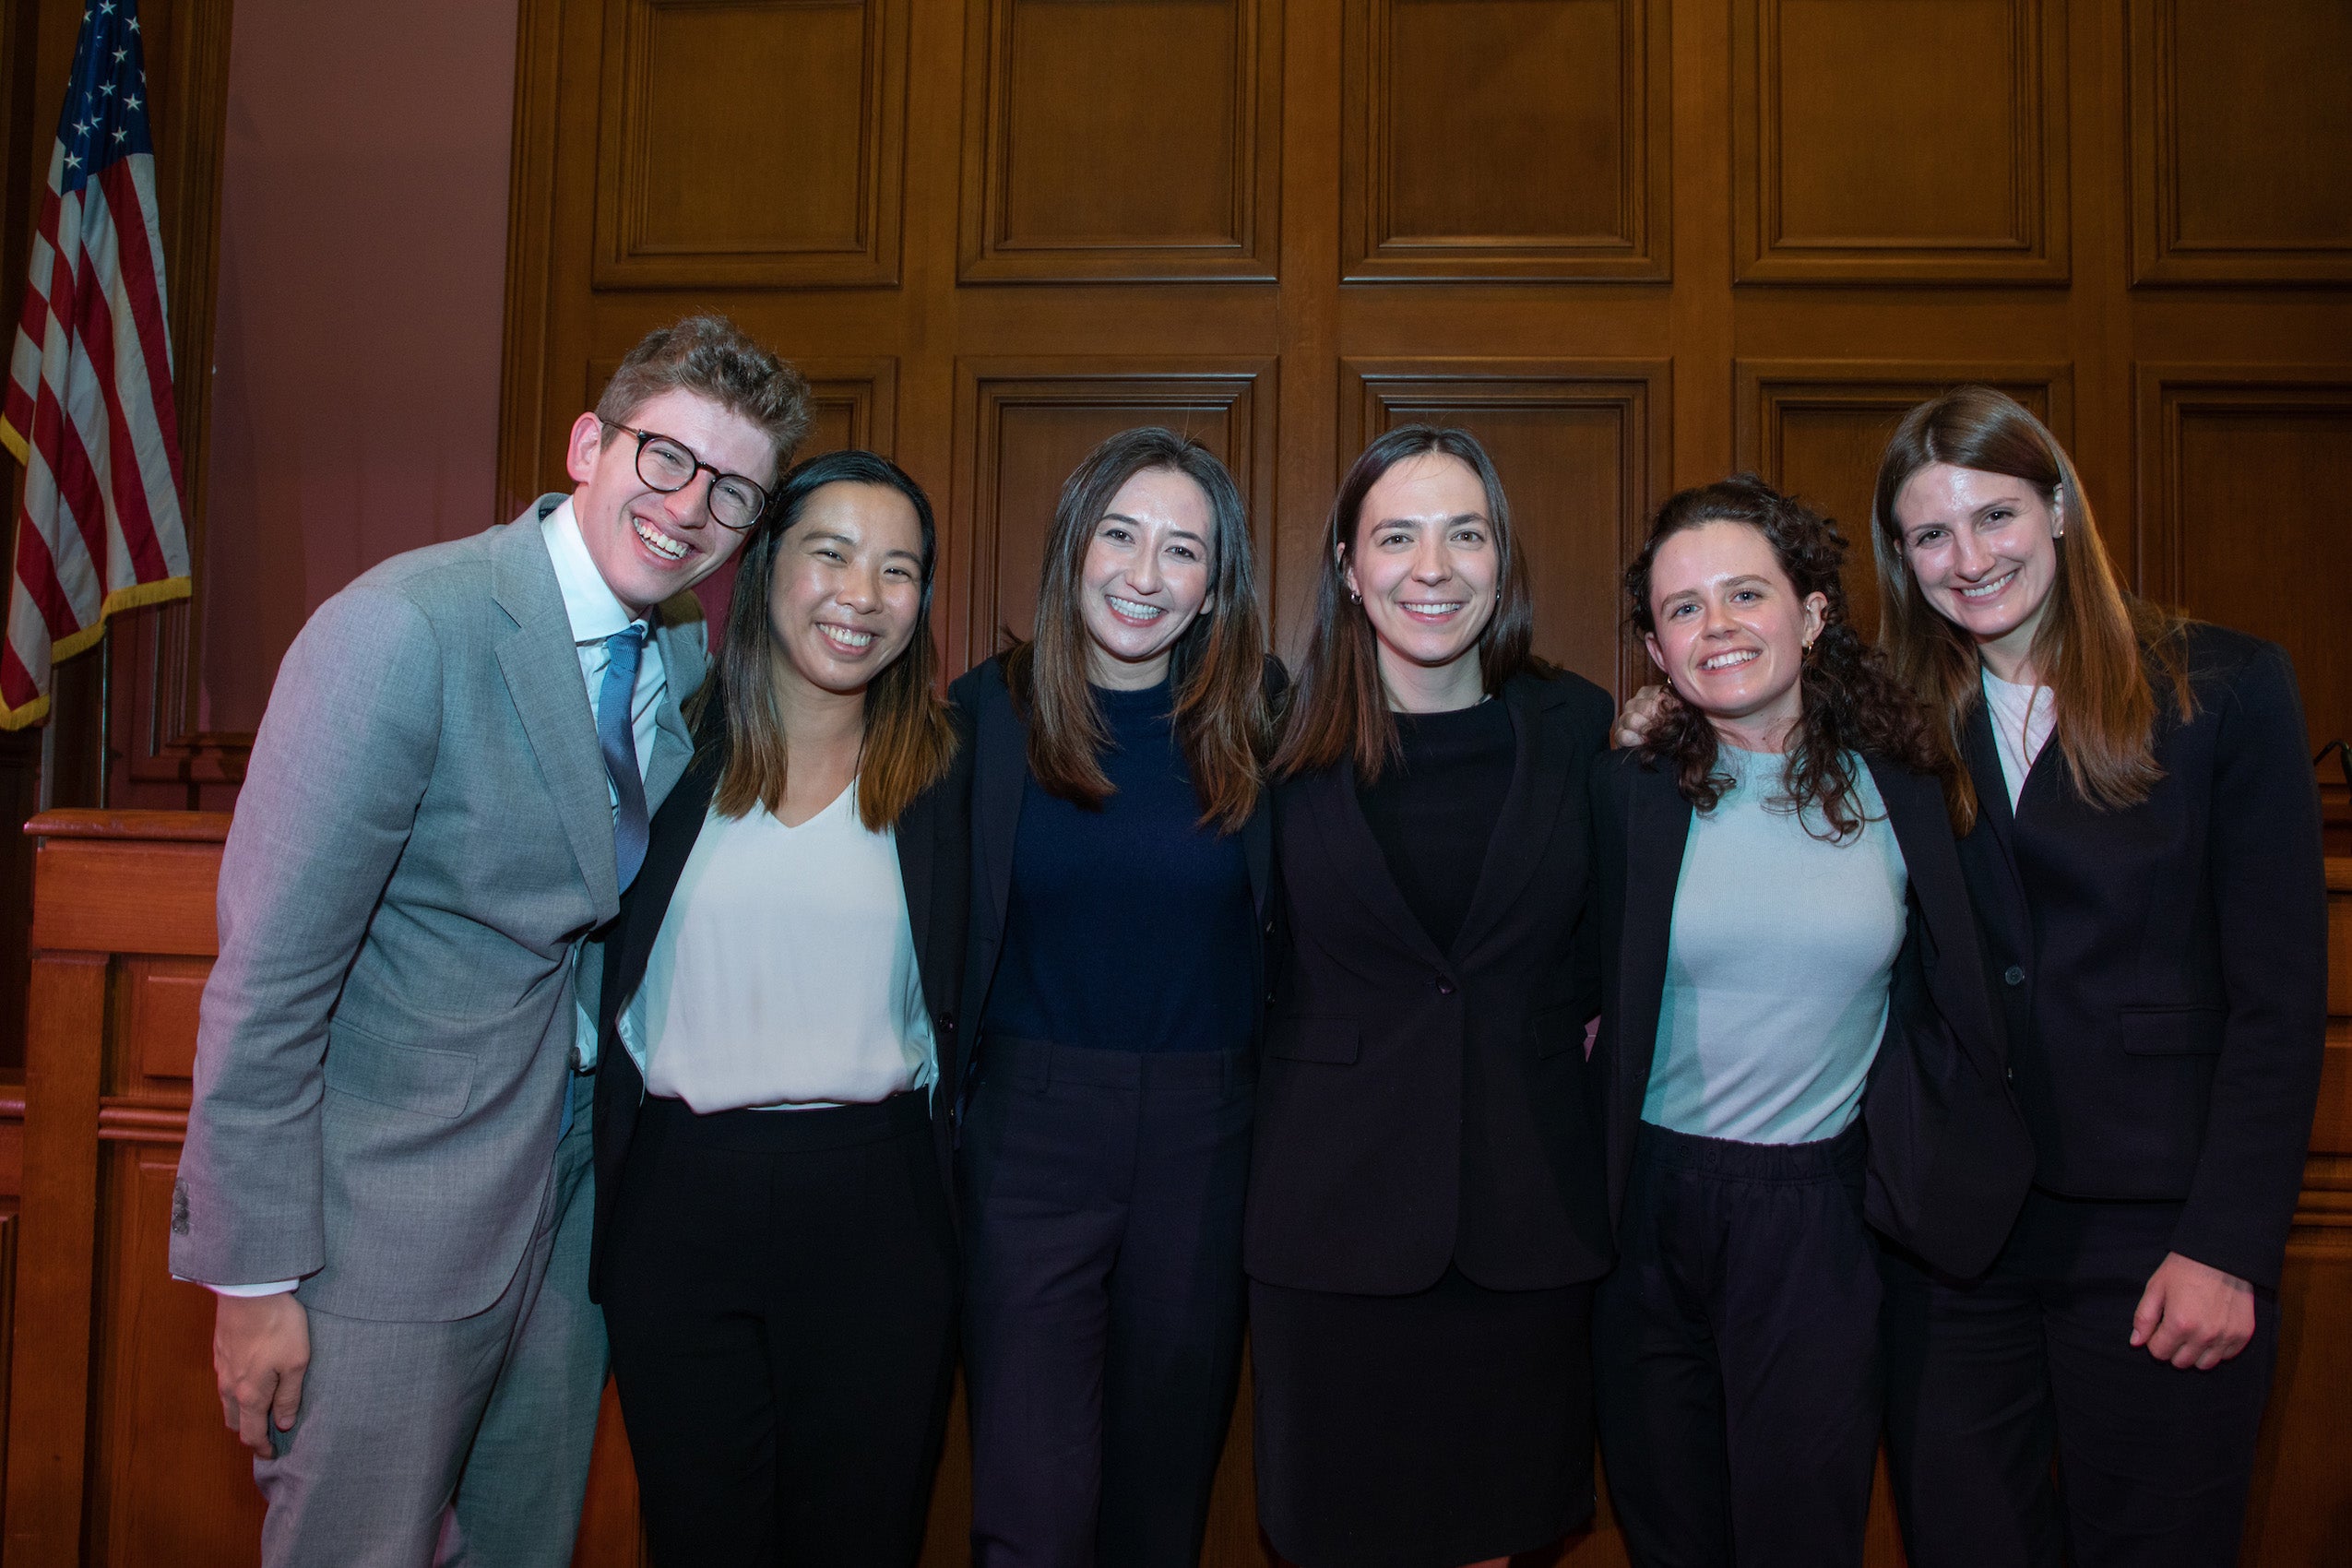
(1949, 1157)
(2163, 969)
(1420, 1108)
(934, 838)
(1000, 776)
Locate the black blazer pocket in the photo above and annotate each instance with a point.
(1332, 1040)
(406, 1078)
(1553, 1030)
(2173, 1031)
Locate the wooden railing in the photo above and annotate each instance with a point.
(115, 1451)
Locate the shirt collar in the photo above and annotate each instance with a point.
(595, 611)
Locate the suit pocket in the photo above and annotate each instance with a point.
(2173, 1031)
(406, 1077)
(1313, 1040)
(1555, 1029)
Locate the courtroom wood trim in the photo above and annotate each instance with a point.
(2163, 393)
(530, 237)
(1764, 390)
(1370, 253)
(50, 1369)
(2036, 251)
(621, 263)
(987, 254)
(2158, 256)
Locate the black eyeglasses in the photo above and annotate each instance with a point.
(668, 465)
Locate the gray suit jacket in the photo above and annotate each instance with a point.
(424, 839)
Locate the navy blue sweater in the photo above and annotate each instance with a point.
(1129, 928)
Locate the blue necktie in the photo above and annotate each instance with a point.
(616, 734)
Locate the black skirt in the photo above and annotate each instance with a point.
(1425, 1430)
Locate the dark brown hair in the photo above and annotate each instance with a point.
(1849, 701)
(1217, 669)
(709, 355)
(909, 740)
(2092, 649)
(1340, 711)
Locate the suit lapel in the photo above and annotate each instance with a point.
(1331, 804)
(1002, 768)
(1538, 783)
(676, 826)
(542, 667)
(1982, 758)
(1657, 830)
(1932, 865)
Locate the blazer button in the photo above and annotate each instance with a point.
(2014, 975)
(1444, 986)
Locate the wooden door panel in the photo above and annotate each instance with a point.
(703, 182)
(1924, 142)
(2235, 455)
(1121, 139)
(1506, 140)
(1817, 429)
(2241, 142)
(1023, 425)
(1581, 448)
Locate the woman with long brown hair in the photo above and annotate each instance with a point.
(1426, 1210)
(1121, 861)
(774, 1248)
(2146, 866)
(1796, 1039)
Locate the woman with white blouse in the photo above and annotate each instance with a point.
(774, 1250)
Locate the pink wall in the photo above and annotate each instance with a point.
(363, 283)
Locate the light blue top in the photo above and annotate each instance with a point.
(1778, 968)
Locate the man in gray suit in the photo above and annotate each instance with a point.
(387, 1163)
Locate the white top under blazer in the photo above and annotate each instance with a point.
(784, 976)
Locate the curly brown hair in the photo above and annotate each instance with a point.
(1851, 702)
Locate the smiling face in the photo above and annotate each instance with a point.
(1426, 563)
(1731, 630)
(847, 588)
(1984, 548)
(1146, 578)
(646, 545)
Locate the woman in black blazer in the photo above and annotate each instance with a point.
(1426, 1207)
(1121, 867)
(774, 1248)
(2146, 866)
(1795, 1042)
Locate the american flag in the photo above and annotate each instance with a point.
(89, 400)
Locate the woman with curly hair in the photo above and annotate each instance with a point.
(1797, 1044)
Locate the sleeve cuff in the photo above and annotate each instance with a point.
(275, 1287)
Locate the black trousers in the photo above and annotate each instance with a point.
(1986, 1379)
(1736, 1354)
(780, 1290)
(1102, 1330)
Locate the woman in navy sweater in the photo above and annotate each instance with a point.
(1120, 856)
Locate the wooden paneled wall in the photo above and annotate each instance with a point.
(115, 1452)
(1634, 244)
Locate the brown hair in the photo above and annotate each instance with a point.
(2092, 649)
(1850, 702)
(1341, 709)
(1217, 669)
(709, 355)
(909, 740)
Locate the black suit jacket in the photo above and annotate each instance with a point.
(1949, 1157)
(2163, 969)
(1420, 1108)
(1000, 776)
(934, 840)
